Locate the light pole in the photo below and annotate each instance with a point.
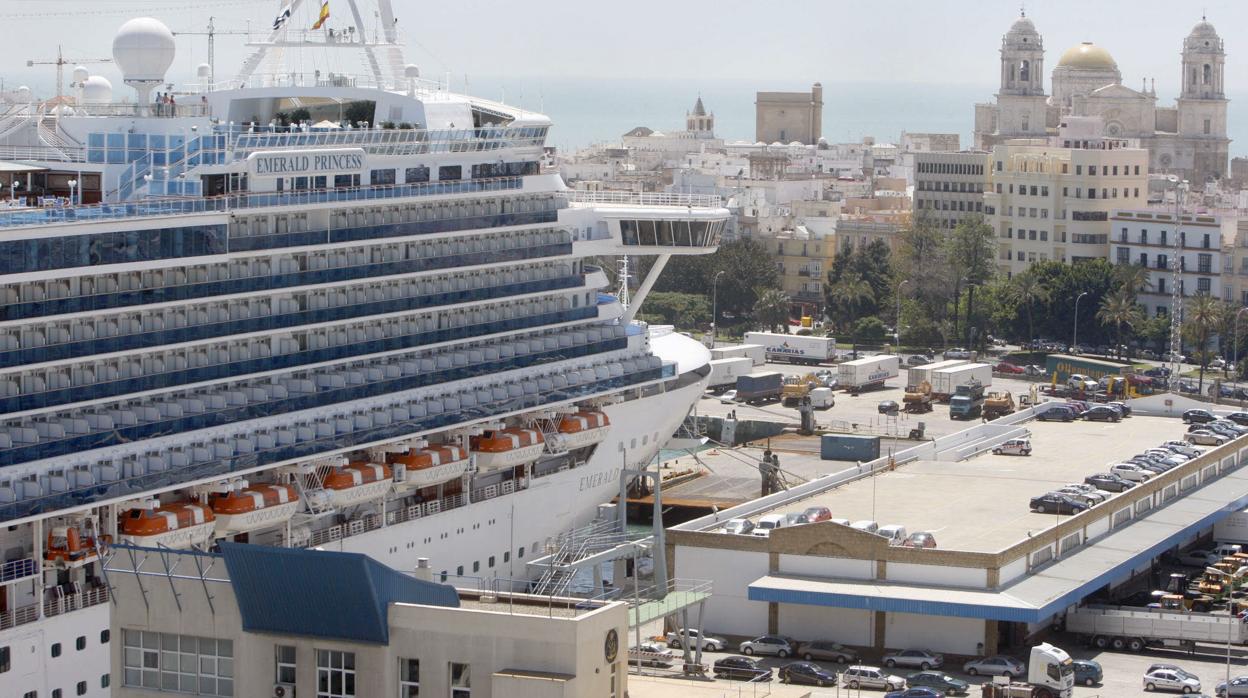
(1176, 280)
(1074, 340)
(1235, 355)
(1230, 627)
(897, 328)
(72, 183)
(715, 305)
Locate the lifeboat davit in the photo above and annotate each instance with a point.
(507, 448)
(176, 525)
(68, 547)
(355, 483)
(253, 507)
(422, 467)
(581, 429)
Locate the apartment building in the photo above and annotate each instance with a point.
(1052, 200)
(803, 261)
(1147, 238)
(948, 187)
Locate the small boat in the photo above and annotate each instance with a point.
(258, 506)
(507, 448)
(175, 525)
(68, 547)
(581, 429)
(422, 467)
(356, 483)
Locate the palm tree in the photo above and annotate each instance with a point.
(1027, 289)
(847, 297)
(1133, 278)
(1204, 314)
(772, 308)
(1119, 309)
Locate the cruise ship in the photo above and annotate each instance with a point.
(316, 309)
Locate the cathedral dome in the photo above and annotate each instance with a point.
(1087, 56)
(1023, 25)
(1203, 29)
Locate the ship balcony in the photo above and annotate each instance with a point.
(639, 223)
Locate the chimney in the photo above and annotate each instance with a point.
(422, 570)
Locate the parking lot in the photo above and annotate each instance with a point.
(1123, 675)
(937, 496)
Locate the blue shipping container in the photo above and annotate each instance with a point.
(849, 447)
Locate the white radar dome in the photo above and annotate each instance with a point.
(203, 70)
(97, 90)
(23, 93)
(80, 74)
(143, 48)
(411, 70)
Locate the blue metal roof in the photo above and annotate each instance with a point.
(344, 596)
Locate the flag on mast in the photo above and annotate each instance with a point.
(324, 14)
(281, 17)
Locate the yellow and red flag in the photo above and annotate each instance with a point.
(324, 15)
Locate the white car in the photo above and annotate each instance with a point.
(1089, 498)
(1171, 680)
(1199, 558)
(740, 527)
(777, 645)
(1086, 490)
(709, 643)
(1166, 454)
(1132, 472)
(728, 397)
(1204, 437)
(1182, 447)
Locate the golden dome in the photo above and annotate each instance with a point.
(1087, 56)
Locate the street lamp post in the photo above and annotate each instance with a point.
(897, 327)
(715, 305)
(1074, 339)
(1230, 627)
(72, 183)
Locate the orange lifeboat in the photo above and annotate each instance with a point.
(358, 482)
(176, 525)
(253, 507)
(581, 429)
(68, 547)
(507, 448)
(422, 467)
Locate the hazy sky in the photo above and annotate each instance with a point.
(758, 43)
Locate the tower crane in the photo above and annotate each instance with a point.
(60, 62)
(211, 33)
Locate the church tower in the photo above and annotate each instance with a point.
(1202, 105)
(699, 121)
(1021, 100)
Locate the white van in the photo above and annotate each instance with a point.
(895, 534)
(1014, 447)
(1227, 549)
(767, 524)
(865, 526)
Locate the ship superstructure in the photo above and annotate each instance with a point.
(245, 315)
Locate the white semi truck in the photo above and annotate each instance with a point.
(917, 374)
(1050, 674)
(724, 372)
(1134, 629)
(945, 381)
(867, 373)
(794, 348)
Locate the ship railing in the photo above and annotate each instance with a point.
(74, 602)
(42, 153)
(372, 522)
(631, 198)
(19, 616)
(18, 569)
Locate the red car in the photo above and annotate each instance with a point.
(1006, 367)
(816, 514)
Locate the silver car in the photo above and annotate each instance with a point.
(777, 645)
(996, 665)
(1171, 680)
(919, 659)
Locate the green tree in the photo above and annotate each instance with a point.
(684, 310)
(771, 310)
(874, 264)
(846, 298)
(971, 251)
(355, 112)
(1119, 309)
(1027, 289)
(1203, 315)
(748, 266)
(921, 260)
(870, 330)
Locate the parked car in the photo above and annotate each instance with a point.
(828, 651)
(807, 673)
(1109, 482)
(1056, 413)
(741, 668)
(1122, 407)
(1238, 418)
(1087, 672)
(940, 681)
(1132, 472)
(728, 397)
(895, 533)
(996, 665)
(777, 645)
(1205, 437)
(1034, 370)
(920, 539)
(865, 526)
(1007, 367)
(741, 527)
(917, 692)
(1057, 503)
(650, 653)
(859, 676)
(1014, 447)
(1198, 416)
(888, 407)
(958, 353)
(1101, 413)
(1182, 447)
(769, 523)
(795, 518)
(918, 360)
(1171, 680)
(1083, 493)
(710, 643)
(919, 659)
(1238, 687)
(817, 514)
(1229, 426)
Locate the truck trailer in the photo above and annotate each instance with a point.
(756, 388)
(868, 373)
(918, 374)
(794, 348)
(1134, 629)
(724, 372)
(945, 381)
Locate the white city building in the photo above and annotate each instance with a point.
(1147, 238)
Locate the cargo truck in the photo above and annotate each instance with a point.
(794, 348)
(757, 388)
(998, 405)
(918, 374)
(945, 381)
(967, 401)
(918, 398)
(1050, 674)
(867, 373)
(1134, 629)
(725, 372)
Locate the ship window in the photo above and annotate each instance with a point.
(459, 571)
(105, 680)
(81, 643)
(416, 174)
(507, 557)
(82, 688)
(491, 561)
(56, 649)
(476, 565)
(520, 555)
(6, 659)
(381, 177)
(450, 173)
(56, 693)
